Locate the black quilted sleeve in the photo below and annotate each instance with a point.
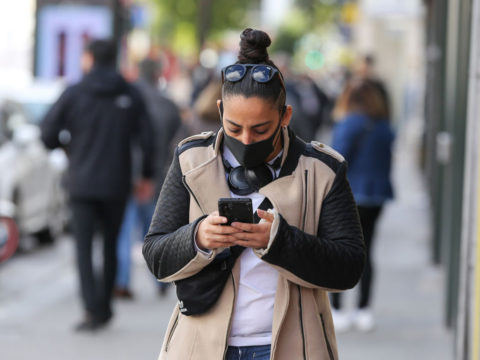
(169, 242)
(334, 258)
(56, 119)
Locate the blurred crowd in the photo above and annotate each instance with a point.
(131, 122)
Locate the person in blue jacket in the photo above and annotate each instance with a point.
(364, 136)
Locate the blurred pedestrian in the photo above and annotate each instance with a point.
(364, 137)
(205, 111)
(312, 105)
(366, 70)
(165, 117)
(315, 108)
(306, 239)
(96, 121)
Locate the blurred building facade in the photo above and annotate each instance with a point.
(451, 159)
(393, 32)
(431, 47)
(62, 29)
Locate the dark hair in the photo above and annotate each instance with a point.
(149, 69)
(253, 50)
(104, 52)
(369, 59)
(364, 96)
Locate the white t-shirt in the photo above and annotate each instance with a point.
(253, 309)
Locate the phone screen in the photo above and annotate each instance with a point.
(236, 210)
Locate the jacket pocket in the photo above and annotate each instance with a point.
(329, 348)
(172, 331)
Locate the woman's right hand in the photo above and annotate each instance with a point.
(211, 234)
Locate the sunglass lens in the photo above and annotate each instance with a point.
(234, 73)
(262, 74)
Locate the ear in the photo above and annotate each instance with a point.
(287, 116)
(86, 62)
(220, 109)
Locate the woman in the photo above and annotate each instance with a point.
(364, 136)
(275, 304)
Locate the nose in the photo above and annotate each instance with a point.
(246, 137)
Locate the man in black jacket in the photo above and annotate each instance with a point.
(96, 121)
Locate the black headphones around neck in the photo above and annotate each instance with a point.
(244, 181)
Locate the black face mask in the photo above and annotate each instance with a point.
(255, 154)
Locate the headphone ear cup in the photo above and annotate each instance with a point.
(258, 176)
(238, 183)
(243, 181)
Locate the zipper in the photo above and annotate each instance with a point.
(329, 348)
(171, 332)
(298, 286)
(231, 315)
(306, 197)
(301, 321)
(184, 181)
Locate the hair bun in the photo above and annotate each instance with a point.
(253, 46)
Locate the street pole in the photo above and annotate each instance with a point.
(203, 21)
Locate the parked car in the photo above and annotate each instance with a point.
(31, 179)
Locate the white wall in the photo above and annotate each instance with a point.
(17, 25)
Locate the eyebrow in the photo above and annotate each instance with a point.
(254, 126)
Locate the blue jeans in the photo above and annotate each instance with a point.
(136, 221)
(261, 352)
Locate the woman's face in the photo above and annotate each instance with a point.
(253, 119)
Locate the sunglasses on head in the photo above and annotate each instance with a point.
(261, 73)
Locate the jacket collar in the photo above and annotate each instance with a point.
(207, 180)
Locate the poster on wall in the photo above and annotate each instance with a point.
(63, 32)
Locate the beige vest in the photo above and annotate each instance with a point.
(298, 198)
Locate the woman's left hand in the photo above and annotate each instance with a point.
(254, 236)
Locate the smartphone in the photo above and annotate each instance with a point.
(236, 209)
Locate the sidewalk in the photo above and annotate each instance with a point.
(408, 294)
(39, 307)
